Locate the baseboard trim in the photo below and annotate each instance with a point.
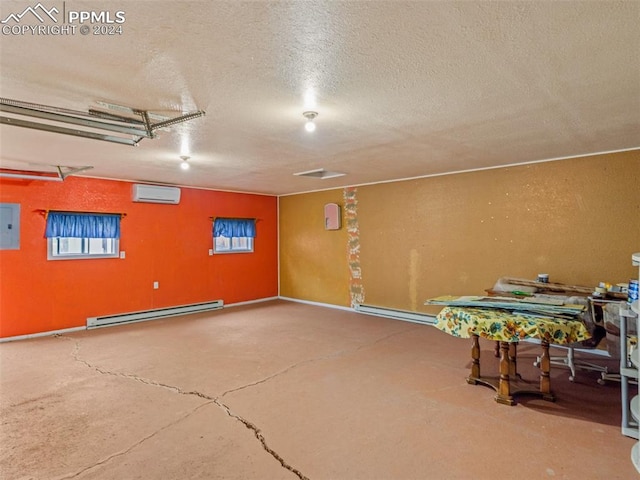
(251, 302)
(41, 334)
(395, 314)
(317, 304)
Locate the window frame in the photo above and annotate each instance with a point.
(52, 242)
(78, 235)
(232, 249)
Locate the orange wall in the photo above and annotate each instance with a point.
(164, 243)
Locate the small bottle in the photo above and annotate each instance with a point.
(632, 293)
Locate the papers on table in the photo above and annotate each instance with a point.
(526, 306)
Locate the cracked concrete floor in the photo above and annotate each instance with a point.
(283, 390)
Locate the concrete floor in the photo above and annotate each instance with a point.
(283, 390)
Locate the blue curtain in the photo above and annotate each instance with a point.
(82, 225)
(234, 227)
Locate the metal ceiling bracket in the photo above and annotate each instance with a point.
(180, 119)
(68, 131)
(71, 170)
(27, 176)
(60, 175)
(116, 118)
(85, 122)
(101, 121)
(147, 122)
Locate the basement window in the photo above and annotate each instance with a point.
(69, 247)
(77, 235)
(233, 245)
(233, 235)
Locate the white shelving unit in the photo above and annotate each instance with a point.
(628, 372)
(630, 408)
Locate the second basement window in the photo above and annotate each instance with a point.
(233, 235)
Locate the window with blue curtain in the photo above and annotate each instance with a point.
(82, 235)
(233, 235)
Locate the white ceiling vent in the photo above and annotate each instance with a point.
(156, 194)
(320, 173)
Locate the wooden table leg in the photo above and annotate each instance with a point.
(504, 392)
(513, 361)
(545, 367)
(475, 360)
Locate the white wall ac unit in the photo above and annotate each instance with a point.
(156, 194)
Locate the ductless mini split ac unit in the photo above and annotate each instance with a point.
(155, 194)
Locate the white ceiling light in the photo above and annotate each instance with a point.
(185, 164)
(310, 126)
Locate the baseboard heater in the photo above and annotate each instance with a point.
(403, 315)
(141, 316)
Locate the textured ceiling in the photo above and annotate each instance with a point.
(403, 89)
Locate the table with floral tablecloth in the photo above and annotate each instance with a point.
(508, 328)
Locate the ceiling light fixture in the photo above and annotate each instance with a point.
(185, 164)
(310, 126)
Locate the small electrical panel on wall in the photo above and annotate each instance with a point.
(9, 226)
(332, 217)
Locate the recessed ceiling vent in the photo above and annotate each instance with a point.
(320, 173)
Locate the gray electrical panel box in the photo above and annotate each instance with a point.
(9, 226)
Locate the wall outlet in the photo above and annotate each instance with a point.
(210, 251)
(156, 285)
(122, 254)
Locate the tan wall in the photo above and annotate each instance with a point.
(577, 220)
(313, 261)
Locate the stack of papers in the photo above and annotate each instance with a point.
(523, 306)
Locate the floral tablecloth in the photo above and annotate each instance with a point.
(505, 326)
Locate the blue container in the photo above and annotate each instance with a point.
(633, 291)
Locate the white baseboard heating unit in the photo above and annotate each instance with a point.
(141, 316)
(403, 315)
